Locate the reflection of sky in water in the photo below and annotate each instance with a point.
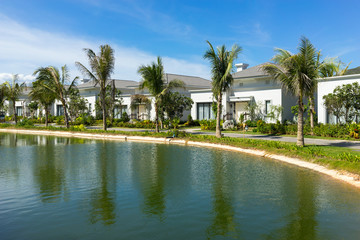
(56, 188)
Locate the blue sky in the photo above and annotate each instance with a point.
(40, 33)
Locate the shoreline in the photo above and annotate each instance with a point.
(344, 176)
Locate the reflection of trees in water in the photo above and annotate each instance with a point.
(49, 172)
(17, 140)
(302, 222)
(150, 168)
(103, 196)
(223, 223)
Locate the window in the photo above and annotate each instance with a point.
(241, 84)
(89, 107)
(59, 110)
(267, 106)
(119, 110)
(204, 111)
(19, 111)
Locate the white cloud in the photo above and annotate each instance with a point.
(21, 78)
(24, 49)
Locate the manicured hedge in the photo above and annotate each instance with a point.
(322, 130)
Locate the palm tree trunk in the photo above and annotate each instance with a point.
(300, 132)
(46, 117)
(156, 117)
(15, 115)
(312, 114)
(103, 109)
(66, 116)
(218, 116)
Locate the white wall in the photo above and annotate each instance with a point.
(260, 96)
(327, 86)
(205, 96)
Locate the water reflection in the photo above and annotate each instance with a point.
(102, 198)
(18, 140)
(223, 222)
(49, 172)
(149, 169)
(300, 213)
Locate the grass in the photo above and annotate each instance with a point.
(332, 157)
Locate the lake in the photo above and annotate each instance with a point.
(68, 188)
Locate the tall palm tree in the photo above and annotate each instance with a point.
(153, 79)
(45, 97)
(51, 79)
(298, 74)
(101, 68)
(221, 62)
(328, 68)
(12, 92)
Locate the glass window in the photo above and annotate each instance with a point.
(267, 106)
(204, 111)
(19, 111)
(59, 110)
(119, 110)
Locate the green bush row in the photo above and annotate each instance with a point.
(322, 130)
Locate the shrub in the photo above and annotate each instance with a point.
(81, 127)
(25, 123)
(124, 117)
(208, 124)
(59, 120)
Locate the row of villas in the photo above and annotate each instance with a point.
(250, 85)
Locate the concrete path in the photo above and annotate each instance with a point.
(196, 131)
(325, 142)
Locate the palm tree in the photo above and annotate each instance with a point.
(51, 79)
(43, 96)
(153, 79)
(12, 92)
(327, 68)
(221, 64)
(298, 74)
(102, 66)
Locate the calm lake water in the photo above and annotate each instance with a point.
(63, 188)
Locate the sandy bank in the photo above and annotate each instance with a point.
(352, 179)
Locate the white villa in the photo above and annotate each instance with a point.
(250, 86)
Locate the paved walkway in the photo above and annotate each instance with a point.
(325, 142)
(315, 141)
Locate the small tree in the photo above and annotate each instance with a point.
(275, 112)
(255, 110)
(33, 106)
(334, 105)
(45, 97)
(344, 102)
(77, 104)
(12, 92)
(3, 107)
(174, 104)
(113, 100)
(56, 82)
